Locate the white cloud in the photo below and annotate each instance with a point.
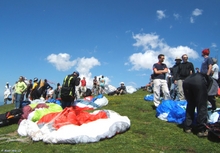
(128, 31)
(153, 46)
(83, 65)
(193, 44)
(191, 19)
(160, 14)
(147, 41)
(214, 45)
(61, 61)
(176, 16)
(197, 12)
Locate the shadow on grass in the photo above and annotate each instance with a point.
(214, 137)
(153, 107)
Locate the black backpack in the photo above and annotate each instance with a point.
(67, 87)
(10, 117)
(87, 93)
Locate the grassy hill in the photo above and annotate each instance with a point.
(146, 134)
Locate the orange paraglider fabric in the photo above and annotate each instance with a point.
(71, 115)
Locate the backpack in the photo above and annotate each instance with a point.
(67, 87)
(10, 117)
(87, 93)
(37, 92)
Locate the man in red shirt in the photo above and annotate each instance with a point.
(83, 85)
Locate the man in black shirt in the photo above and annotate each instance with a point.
(185, 69)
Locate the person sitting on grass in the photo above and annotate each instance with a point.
(121, 90)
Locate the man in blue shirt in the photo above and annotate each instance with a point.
(160, 69)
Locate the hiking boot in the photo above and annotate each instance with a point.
(203, 134)
(188, 131)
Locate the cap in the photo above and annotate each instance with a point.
(7, 82)
(122, 83)
(214, 60)
(206, 51)
(178, 58)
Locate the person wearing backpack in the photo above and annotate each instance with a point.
(45, 87)
(34, 94)
(68, 89)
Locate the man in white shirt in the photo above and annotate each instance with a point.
(215, 69)
(7, 92)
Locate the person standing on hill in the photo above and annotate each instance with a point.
(45, 88)
(184, 70)
(95, 86)
(102, 84)
(7, 92)
(68, 89)
(57, 91)
(215, 69)
(20, 87)
(13, 93)
(207, 69)
(29, 87)
(83, 85)
(174, 87)
(160, 69)
(34, 91)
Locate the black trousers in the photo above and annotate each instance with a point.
(212, 100)
(195, 90)
(66, 101)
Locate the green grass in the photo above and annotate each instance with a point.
(146, 134)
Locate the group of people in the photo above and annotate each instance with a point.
(25, 90)
(98, 85)
(73, 88)
(197, 88)
(16, 92)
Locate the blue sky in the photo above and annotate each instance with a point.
(119, 39)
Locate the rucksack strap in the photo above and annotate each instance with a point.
(67, 81)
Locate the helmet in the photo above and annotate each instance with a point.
(35, 79)
(76, 72)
